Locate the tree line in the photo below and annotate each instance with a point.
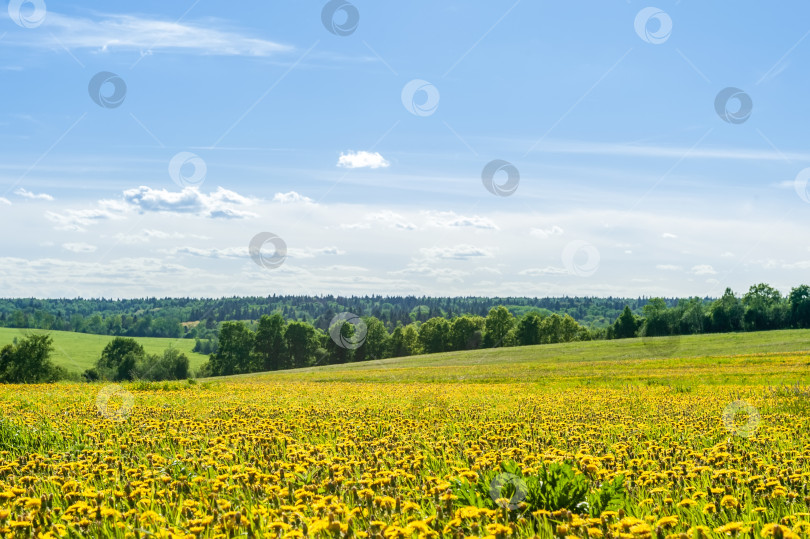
(273, 342)
(761, 308)
(195, 318)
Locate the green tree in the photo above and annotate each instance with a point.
(234, 355)
(626, 325)
(119, 359)
(268, 344)
(658, 319)
(726, 313)
(404, 341)
(28, 361)
(302, 343)
(498, 324)
(800, 306)
(763, 308)
(692, 317)
(528, 329)
(434, 335)
(466, 332)
(377, 344)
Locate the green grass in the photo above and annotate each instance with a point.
(77, 352)
(772, 357)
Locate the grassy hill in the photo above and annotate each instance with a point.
(79, 351)
(763, 357)
(772, 357)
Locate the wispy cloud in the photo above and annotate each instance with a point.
(79, 247)
(457, 252)
(449, 219)
(33, 196)
(106, 32)
(546, 232)
(677, 152)
(703, 269)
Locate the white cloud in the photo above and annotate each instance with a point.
(77, 220)
(449, 219)
(5, 201)
(727, 254)
(221, 204)
(362, 159)
(392, 219)
(354, 226)
(546, 232)
(458, 252)
(291, 198)
(311, 252)
(703, 269)
(421, 270)
(548, 270)
(79, 247)
(668, 235)
(211, 252)
(33, 196)
(129, 32)
(668, 267)
(147, 235)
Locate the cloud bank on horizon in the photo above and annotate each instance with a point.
(514, 149)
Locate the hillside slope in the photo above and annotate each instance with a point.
(79, 351)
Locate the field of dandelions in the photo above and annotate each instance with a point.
(268, 457)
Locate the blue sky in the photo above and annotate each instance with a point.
(630, 183)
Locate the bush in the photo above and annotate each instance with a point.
(557, 486)
(28, 362)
